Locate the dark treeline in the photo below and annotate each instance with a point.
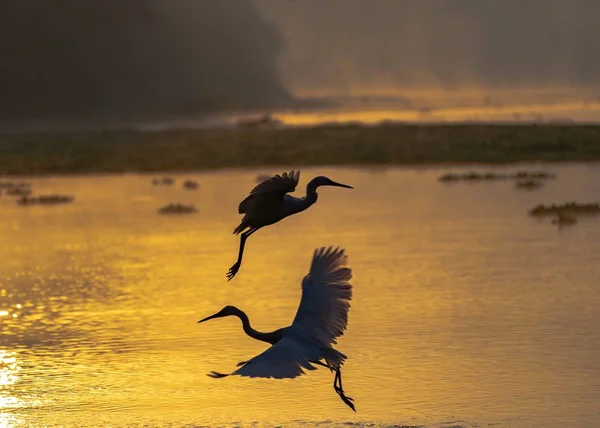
(136, 58)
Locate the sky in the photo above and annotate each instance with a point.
(150, 58)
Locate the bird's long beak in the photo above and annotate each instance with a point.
(333, 183)
(217, 315)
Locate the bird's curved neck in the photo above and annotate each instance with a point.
(311, 193)
(271, 338)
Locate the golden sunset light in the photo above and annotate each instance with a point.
(299, 213)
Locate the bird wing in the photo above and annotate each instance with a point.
(286, 359)
(326, 295)
(271, 191)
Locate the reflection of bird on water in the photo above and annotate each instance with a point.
(322, 317)
(268, 203)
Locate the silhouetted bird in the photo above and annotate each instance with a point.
(268, 203)
(322, 317)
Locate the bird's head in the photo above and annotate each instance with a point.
(225, 312)
(324, 181)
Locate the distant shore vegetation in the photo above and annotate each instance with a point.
(351, 145)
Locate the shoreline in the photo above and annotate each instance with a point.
(409, 145)
(277, 169)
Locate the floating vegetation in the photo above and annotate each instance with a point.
(177, 208)
(12, 184)
(45, 200)
(15, 189)
(19, 191)
(491, 176)
(164, 181)
(567, 209)
(473, 176)
(566, 214)
(535, 175)
(190, 185)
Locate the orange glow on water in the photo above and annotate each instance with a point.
(445, 323)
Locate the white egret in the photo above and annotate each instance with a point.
(321, 317)
(268, 203)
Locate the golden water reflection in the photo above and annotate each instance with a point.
(465, 312)
(10, 368)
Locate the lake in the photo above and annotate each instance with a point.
(466, 311)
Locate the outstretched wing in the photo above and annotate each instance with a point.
(286, 359)
(270, 191)
(326, 295)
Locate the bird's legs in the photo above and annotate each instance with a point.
(337, 385)
(236, 267)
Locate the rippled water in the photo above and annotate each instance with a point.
(466, 312)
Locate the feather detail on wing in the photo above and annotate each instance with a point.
(326, 295)
(270, 191)
(287, 359)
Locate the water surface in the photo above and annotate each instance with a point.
(466, 312)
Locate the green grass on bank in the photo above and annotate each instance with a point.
(119, 151)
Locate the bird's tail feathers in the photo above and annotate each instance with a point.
(243, 225)
(217, 375)
(334, 358)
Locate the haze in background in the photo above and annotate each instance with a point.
(136, 58)
(103, 61)
(340, 46)
(429, 53)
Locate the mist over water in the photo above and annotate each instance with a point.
(110, 58)
(157, 60)
(353, 45)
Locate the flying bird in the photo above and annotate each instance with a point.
(321, 318)
(269, 202)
